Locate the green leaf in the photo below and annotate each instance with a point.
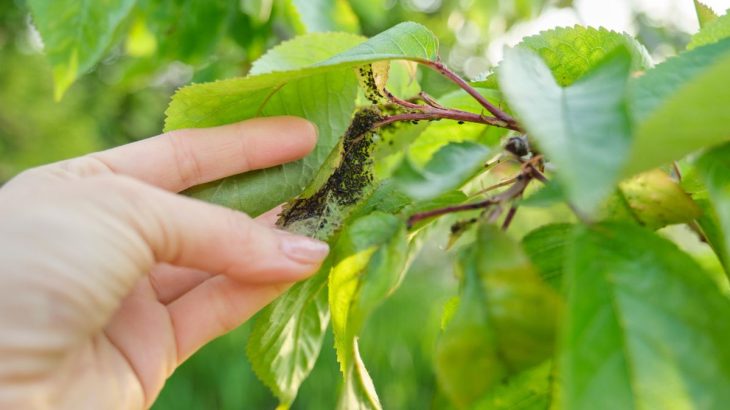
(656, 200)
(679, 107)
(545, 246)
(402, 79)
(529, 390)
(653, 199)
(370, 260)
(583, 129)
(708, 225)
(259, 10)
(385, 198)
(140, 41)
(189, 30)
(705, 14)
(644, 326)
(712, 231)
(303, 51)
(323, 92)
(326, 100)
(358, 391)
(449, 310)
(571, 52)
(713, 31)
(76, 34)
(505, 321)
(545, 196)
(714, 167)
(405, 41)
(649, 91)
(288, 333)
(522, 309)
(467, 363)
(451, 167)
(323, 15)
(287, 336)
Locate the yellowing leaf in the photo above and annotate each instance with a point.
(653, 199)
(505, 321)
(370, 259)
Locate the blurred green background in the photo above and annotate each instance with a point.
(170, 43)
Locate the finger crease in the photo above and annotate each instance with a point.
(189, 169)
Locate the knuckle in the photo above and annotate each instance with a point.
(238, 225)
(87, 165)
(26, 177)
(189, 168)
(244, 147)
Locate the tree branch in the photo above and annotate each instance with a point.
(498, 113)
(514, 191)
(436, 114)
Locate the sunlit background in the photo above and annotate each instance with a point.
(124, 98)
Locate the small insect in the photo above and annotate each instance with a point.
(518, 145)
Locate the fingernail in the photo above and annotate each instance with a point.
(303, 249)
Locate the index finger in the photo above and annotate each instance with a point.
(180, 159)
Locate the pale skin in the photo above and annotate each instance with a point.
(110, 280)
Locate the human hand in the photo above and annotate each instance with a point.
(109, 280)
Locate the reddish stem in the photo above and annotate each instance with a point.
(443, 70)
(435, 114)
(449, 209)
(430, 101)
(508, 219)
(513, 192)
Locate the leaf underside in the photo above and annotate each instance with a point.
(641, 328)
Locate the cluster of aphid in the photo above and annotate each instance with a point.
(347, 184)
(366, 76)
(323, 212)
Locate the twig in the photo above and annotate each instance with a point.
(677, 172)
(521, 182)
(697, 229)
(538, 175)
(436, 114)
(500, 159)
(430, 101)
(510, 216)
(494, 214)
(499, 114)
(449, 209)
(402, 102)
(497, 185)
